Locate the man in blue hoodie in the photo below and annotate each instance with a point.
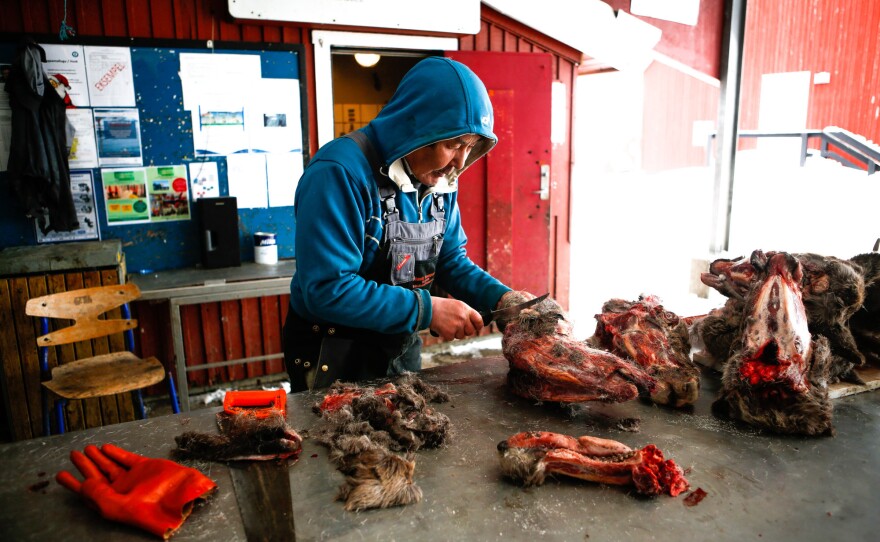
(377, 221)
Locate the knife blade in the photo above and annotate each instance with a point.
(262, 489)
(510, 312)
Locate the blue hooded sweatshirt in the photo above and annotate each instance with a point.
(339, 214)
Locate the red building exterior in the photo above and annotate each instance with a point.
(840, 38)
(214, 332)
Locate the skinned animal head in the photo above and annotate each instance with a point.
(657, 340)
(777, 378)
(776, 338)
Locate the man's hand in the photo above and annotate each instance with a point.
(453, 319)
(156, 495)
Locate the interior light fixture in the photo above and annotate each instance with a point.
(367, 60)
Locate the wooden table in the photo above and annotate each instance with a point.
(759, 486)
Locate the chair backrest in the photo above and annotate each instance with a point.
(83, 307)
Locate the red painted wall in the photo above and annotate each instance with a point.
(841, 38)
(209, 19)
(696, 46)
(673, 102)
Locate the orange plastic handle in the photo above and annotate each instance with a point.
(258, 403)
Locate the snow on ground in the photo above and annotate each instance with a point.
(461, 350)
(635, 233)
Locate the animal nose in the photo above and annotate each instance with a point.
(770, 353)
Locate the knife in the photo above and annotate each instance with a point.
(510, 312)
(262, 489)
(504, 314)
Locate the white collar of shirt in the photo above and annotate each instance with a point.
(399, 173)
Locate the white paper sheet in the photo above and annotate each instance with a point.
(207, 78)
(283, 172)
(84, 151)
(111, 81)
(204, 180)
(219, 130)
(68, 62)
(246, 175)
(274, 122)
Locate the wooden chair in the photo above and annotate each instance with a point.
(96, 376)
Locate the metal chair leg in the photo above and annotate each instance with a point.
(172, 391)
(44, 376)
(138, 405)
(59, 414)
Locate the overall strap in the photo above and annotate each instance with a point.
(386, 187)
(437, 210)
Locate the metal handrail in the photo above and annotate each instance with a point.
(864, 151)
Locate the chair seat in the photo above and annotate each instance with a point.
(103, 375)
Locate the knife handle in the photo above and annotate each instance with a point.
(487, 317)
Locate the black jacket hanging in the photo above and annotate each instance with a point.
(39, 175)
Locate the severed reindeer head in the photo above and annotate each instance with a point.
(777, 377)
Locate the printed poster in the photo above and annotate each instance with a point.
(84, 150)
(273, 116)
(82, 188)
(111, 82)
(125, 196)
(118, 135)
(66, 67)
(204, 180)
(219, 129)
(169, 197)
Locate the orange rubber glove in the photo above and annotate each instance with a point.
(156, 495)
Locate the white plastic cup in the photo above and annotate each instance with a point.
(265, 249)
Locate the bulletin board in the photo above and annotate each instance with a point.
(171, 135)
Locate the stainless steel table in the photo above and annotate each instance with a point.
(759, 486)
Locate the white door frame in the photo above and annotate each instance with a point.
(323, 40)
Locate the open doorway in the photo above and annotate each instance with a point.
(333, 49)
(363, 82)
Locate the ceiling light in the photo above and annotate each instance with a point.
(367, 60)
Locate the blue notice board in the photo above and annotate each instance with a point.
(166, 134)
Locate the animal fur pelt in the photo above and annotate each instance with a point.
(777, 376)
(366, 430)
(242, 437)
(833, 293)
(865, 322)
(530, 456)
(547, 363)
(657, 340)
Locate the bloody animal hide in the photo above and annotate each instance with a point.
(548, 364)
(242, 437)
(530, 456)
(657, 340)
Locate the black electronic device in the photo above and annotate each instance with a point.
(218, 232)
